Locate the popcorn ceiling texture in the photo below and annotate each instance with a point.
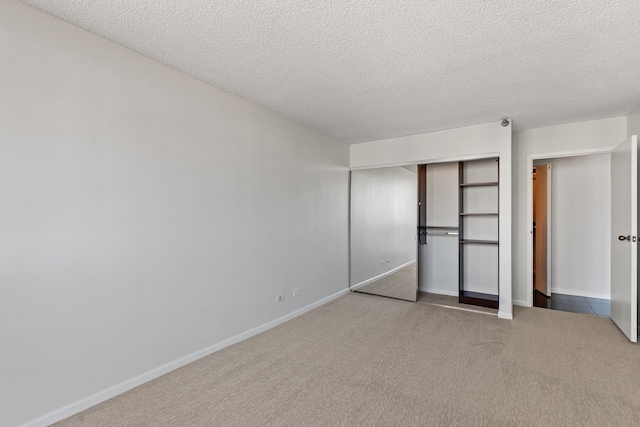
(364, 70)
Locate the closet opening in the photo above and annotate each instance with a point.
(458, 263)
(571, 221)
(451, 258)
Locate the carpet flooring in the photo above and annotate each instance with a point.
(363, 360)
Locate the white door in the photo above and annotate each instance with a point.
(624, 235)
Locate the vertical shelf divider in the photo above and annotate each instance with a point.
(464, 296)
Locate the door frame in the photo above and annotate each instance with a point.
(530, 159)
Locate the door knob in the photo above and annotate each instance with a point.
(623, 238)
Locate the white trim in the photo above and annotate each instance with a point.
(430, 161)
(101, 396)
(380, 276)
(571, 153)
(521, 303)
(527, 177)
(440, 291)
(503, 315)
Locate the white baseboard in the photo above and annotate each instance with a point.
(438, 291)
(101, 396)
(503, 315)
(521, 303)
(555, 290)
(380, 276)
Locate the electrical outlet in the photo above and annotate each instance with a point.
(280, 298)
(296, 292)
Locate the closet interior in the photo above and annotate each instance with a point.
(458, 230)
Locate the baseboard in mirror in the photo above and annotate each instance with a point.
(439, 291)
(380, 276)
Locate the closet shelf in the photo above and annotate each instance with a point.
(484, 242)
(477, 213)
(480, 184)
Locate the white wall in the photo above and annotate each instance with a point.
(486, 140)
(145, 216)
(581, 225)
(383, 221)
(438, 265)
(553, 141)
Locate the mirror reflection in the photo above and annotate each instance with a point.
(383, 232)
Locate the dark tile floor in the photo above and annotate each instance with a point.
(575, 304)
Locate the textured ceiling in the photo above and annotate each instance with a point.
(361, 70)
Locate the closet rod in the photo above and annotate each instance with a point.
(453, 233)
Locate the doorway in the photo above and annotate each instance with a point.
(571, 233)
(541, 176)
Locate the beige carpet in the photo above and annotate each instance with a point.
(363, 360)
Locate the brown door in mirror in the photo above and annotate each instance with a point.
(540, 228)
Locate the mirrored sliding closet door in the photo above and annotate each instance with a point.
(384, 232)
